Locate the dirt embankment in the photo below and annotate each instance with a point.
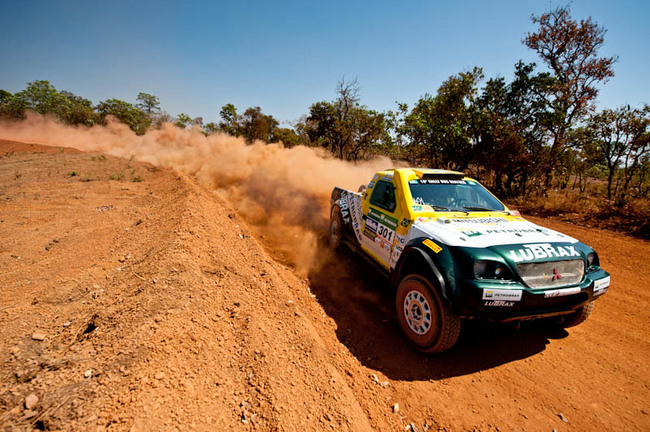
(132, 298)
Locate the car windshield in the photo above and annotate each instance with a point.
(453, 195)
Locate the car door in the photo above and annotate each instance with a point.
(381, 221)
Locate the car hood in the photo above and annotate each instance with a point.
(482, 232)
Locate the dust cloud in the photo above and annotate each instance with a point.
(283, 192)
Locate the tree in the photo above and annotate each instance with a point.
(183, 120)
(255, 125)
(570, 50)
(148, 103)
(210, 128)
(509, 125)
(127, 113)
(76, 110)
(349, 130)
(4, 96)
(620, 140)
(440, 127)
(40, 96)
(11, 106)
(287, 136)
(230, 120)
(638, 152)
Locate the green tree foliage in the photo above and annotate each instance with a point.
(43, 98)
(40, 96)
(570, 50)
(148, 103)
(350, 131)
(127, 113)
(229, 120)
(76, 110)
(210, 128)
(4, 96)
(255, 125)
(440, 129)
(286, 136)
(511, 141)
(183, 120)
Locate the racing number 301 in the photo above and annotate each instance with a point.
(385, 232)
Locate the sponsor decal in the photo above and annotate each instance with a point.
(383, 218)
(401, 240)
(601, 285)
(500, 303)
(501, 294)
(533, 252)
(343, 204)
(441, 181)
(413, 182)
(511, 231)
(388, 176)
(378, 232)
(354, 208)
(482, 221)
(416, 207)
(419, 201)
(431, 245)
(370, 229)
(471, 233)
(561, 292)
(371, 184)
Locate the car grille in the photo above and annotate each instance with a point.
(552, 274)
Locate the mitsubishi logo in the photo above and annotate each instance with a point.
(556, 275)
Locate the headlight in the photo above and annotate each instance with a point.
(591, 258)
(480, 267)
(490, 270)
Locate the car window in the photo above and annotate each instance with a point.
(383, 196)
(462, 195)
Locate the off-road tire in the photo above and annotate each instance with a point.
(426, 321)
(335, 235)
(577, 317)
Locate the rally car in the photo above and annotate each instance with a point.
(454, 251)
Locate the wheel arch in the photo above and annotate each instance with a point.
(416, 260)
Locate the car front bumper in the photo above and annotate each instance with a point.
(510, 300)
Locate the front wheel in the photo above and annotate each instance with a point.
(428, 324)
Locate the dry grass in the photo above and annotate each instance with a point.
(592, 211)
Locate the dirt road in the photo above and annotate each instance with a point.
(132, 298)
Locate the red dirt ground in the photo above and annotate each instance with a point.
(161, 309)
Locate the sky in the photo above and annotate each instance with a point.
(283, 56)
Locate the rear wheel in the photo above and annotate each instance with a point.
(577, 317)
(428, 324)
(336, 229)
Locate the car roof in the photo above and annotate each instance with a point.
(420, 172)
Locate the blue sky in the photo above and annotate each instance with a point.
(196, 56)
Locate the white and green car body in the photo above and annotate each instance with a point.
(454, 251)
